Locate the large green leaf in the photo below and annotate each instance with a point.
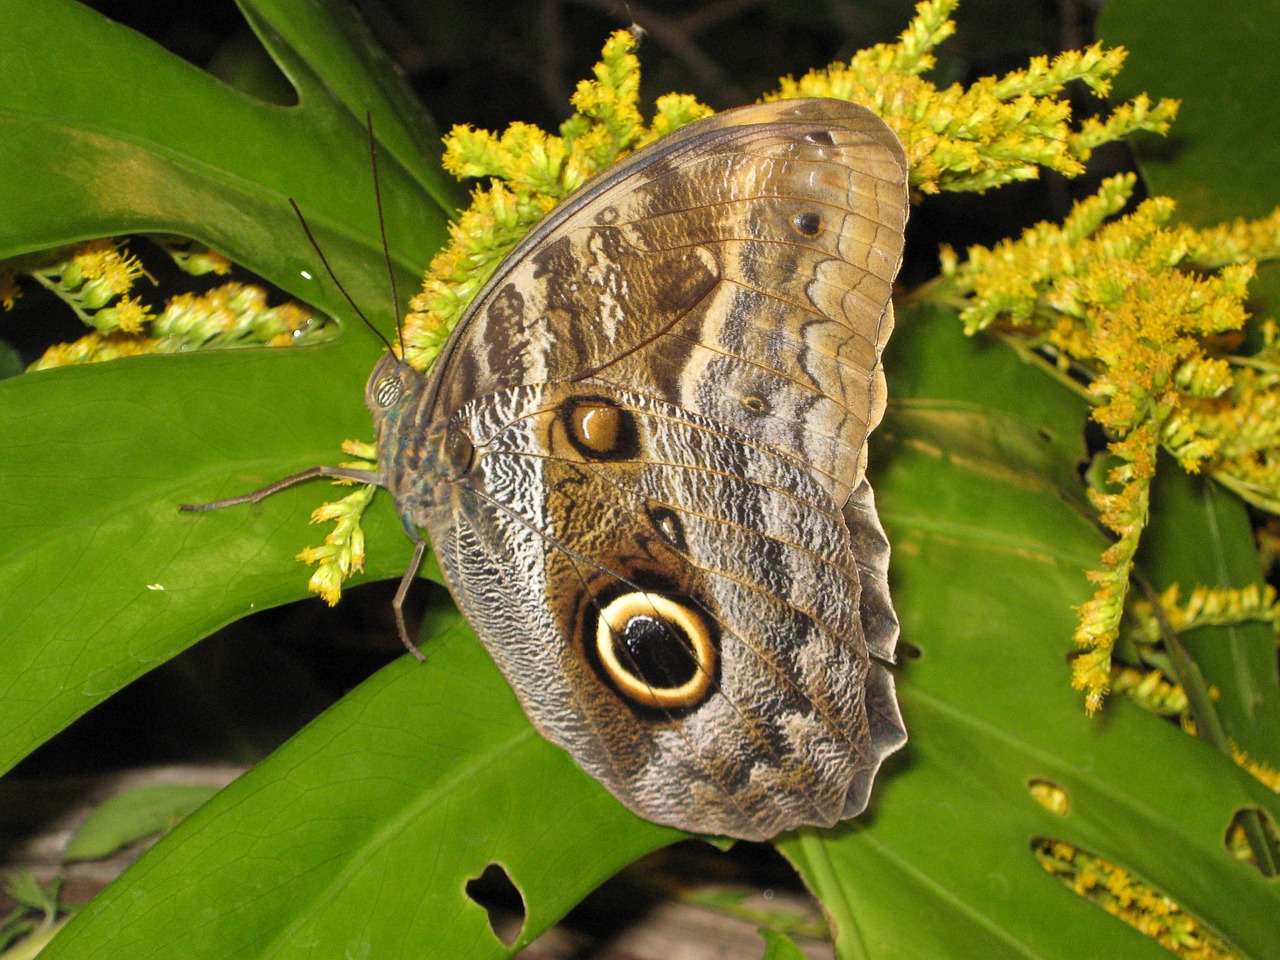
(113, 134)
(103, 578)
(424, 775)
(1220, 160)
(989, 552)
(359, 836)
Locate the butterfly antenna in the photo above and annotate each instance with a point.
(306, 228)
(382, 227)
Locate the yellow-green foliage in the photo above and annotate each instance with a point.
(996, 130)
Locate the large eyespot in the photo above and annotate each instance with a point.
(656, 651)
(387, 391)
(599, 429)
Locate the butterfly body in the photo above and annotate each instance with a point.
(640, 462)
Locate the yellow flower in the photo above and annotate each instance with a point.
(1130, 307)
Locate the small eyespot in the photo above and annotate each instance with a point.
(669, 527)
(756, 404)
(387, 391)
(656, 651)
(807, 223)
(820, 136)
(599, 429)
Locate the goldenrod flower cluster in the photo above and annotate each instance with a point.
(1138, 309)
(1122, 895)
(343, 550)
(997, 130)
(97, 278)
(87, 276)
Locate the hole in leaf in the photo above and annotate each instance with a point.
(1049, 795)
(114, 297)
(1250, 828)
(1127, 898)
(502, 900)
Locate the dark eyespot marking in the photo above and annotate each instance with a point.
(820, 136)
(656, 651)
(807, 223)
(459, 453)
(607, 216)
(756, 404)
(599, 429)
(669, 527)
(387, 391)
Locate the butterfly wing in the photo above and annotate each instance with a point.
(740, 268)
(664, 397)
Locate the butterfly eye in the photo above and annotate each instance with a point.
(656, 651)
(387, 391)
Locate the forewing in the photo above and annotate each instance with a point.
(740, 269)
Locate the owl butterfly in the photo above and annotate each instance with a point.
(640, 461)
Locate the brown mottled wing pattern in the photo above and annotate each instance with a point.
(668, 389)
(740, 268)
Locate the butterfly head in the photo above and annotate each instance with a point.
(392, 388)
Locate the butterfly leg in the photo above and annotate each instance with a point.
(419, 548)
(342, 473)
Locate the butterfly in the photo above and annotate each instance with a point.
(640, 460)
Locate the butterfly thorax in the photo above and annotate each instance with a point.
(417, 455)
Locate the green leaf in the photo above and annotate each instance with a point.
(26, 891)
(112, 135)
(358, 837)
(778, 946)
(132, 816)
(988, 563)
(1219, 160)
(1239, 661)
(10, 362)
(103, 578)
